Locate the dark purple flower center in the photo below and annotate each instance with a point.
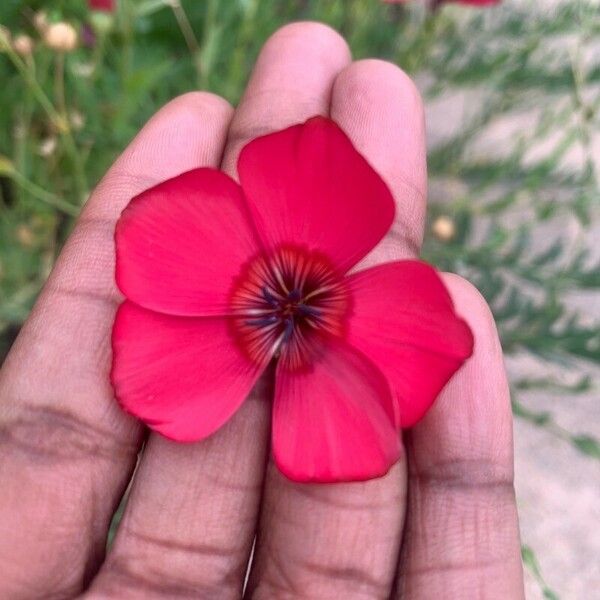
(283, 303)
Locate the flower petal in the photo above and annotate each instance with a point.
(334, 420)
(308, 185)
(404, 321)
(181, 243)
(183, 376)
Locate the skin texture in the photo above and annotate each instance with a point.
(442, 523)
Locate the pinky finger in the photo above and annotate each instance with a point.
(462, 534)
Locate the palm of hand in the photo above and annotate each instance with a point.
(442, 523)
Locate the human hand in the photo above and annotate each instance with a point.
(441, 524)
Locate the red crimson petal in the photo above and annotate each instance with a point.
(181, 244)
(334, 420)
(308, 185)
(182, 376)
(102, 5)
(404, 321)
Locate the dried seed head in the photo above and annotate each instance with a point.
(47, 146)
(61, 37)
(40, 21)
(77, 120)
(23, 45)
(444, 228)
(25, 236)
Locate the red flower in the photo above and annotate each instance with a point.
(221, 278)
(103, 5)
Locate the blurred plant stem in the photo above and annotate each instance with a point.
(210, 34)
(59, 83)
(41, 194)
(585, 110)
(237, 71)
(531, 563)
(189, 36)
(58, 118)
(126, 16)
(28, 74)
(584, 443)
(13, 307)
(98, 54)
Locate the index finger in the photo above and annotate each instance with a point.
(66, 449)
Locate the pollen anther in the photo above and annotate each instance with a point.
(284, 302)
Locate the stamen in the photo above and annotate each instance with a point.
(256, 312)
(262, 322)
(289, 329)
(284, 302)
(269, 297)
(304, 309)
(294, 295)
(318, 292)
(280, 281)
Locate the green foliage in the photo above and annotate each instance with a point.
(587, 444)
(531, 563)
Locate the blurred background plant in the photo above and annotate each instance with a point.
(512, 96)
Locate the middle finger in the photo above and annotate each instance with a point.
(341, 540)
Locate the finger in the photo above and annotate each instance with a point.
(66, 449)
(462, 535)
(191, 518)
(342, 540)
(380, 108)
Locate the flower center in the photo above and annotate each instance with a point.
(285, 302)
